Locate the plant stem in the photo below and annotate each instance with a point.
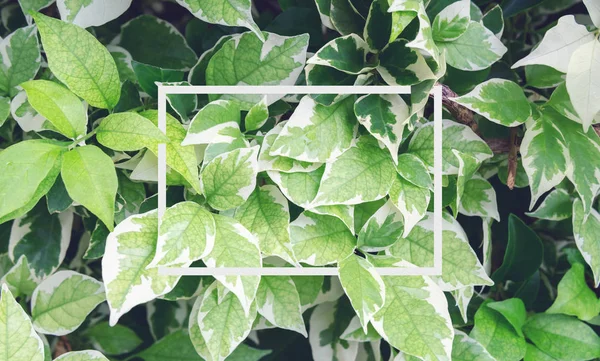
(77, 141)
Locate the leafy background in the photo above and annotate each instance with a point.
(314, 180)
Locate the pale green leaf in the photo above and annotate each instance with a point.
(363, 286)
(411, 200)
(464, 348)
(583, 81)
(224, 12)
(86, 355)
(235, 246)
(320, 240)
(91, 12)
(229, 179)
(187, 234)
(20, 278)
(535, 354)
(278, 301)
(513, 310)
(57, 104)
(345, 53)
(343, 212)
(114, 340)
(91, 180)
(127, 278)
(414, 318)
(452, 22)
(210, 121)
(177, 343)
(62, 302)
(563, 337)
(223, 322)
(19, 59)
(317, 133)
(412, 168)
(257, 115)
(79, 61)
(557, 206)
(300, 187)
(29, 169)
(363, 173)
(479, 199)
(478, 48)
(586, 231)
(326, 325)
(382, 230)
(129, 132)
(20, 342)
(355, 332)
(245, 60)
(385, 117)
(500, 101)
(266, 215)
(456, 137)
(558, 45)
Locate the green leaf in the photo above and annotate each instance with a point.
(177, 343)
(166, 48)
(464, 348)
(412, 168)
(187, 234)
(62, 302)
(86, 355)
(4, 109)
(97, 241)
(91, 12)
(229, 179)
(513, 311)
(478, 48)
(317, 133)
(479, 199)
(20, 340)
(230, 13)
(320, 240)
(452, 22)
(467, 166)
(587, 236)
(21, 278)
(563, 337)
(308, 288)
(460, 265)
(583, 80)
(19, 59)
(494, 20)
(345, 18)
(257, 115)
(345, 53)
(500, 101)
(58, 199)
(267, 162)
(414, 318)
(382, 230)
(363, 173)
(399, 64)
(384, 116)
(574, 297)
(29, 169)
(557, 206)
(209, 123)
(300, 187)
(235, 246)
(114, 340)
(543, 76)
(123, 61)
(378, 28)
(278, 301)
(147, 76)
(326, 326)
(523, 254)
(355, 332)
(182, 104)
(127, 278)
(456, 137)
(42, 238)
(343, 212)
(558, 45)
(129, 132)
(91, 180)
(363, 286)
(497, 335)
(224, 323)
(267, 216)
(535, 354)
(79, 61)
(180, 158)
(245, 60)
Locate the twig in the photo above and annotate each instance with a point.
(512, 159)
(62, 346)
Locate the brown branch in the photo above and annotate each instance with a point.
(62, 346)
(512, 159)
(465, 116)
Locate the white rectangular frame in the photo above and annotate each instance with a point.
(436, 270)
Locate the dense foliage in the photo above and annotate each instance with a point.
(316, 180)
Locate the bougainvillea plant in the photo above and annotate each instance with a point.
(342, 181)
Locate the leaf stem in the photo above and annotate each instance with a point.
(79, 140)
